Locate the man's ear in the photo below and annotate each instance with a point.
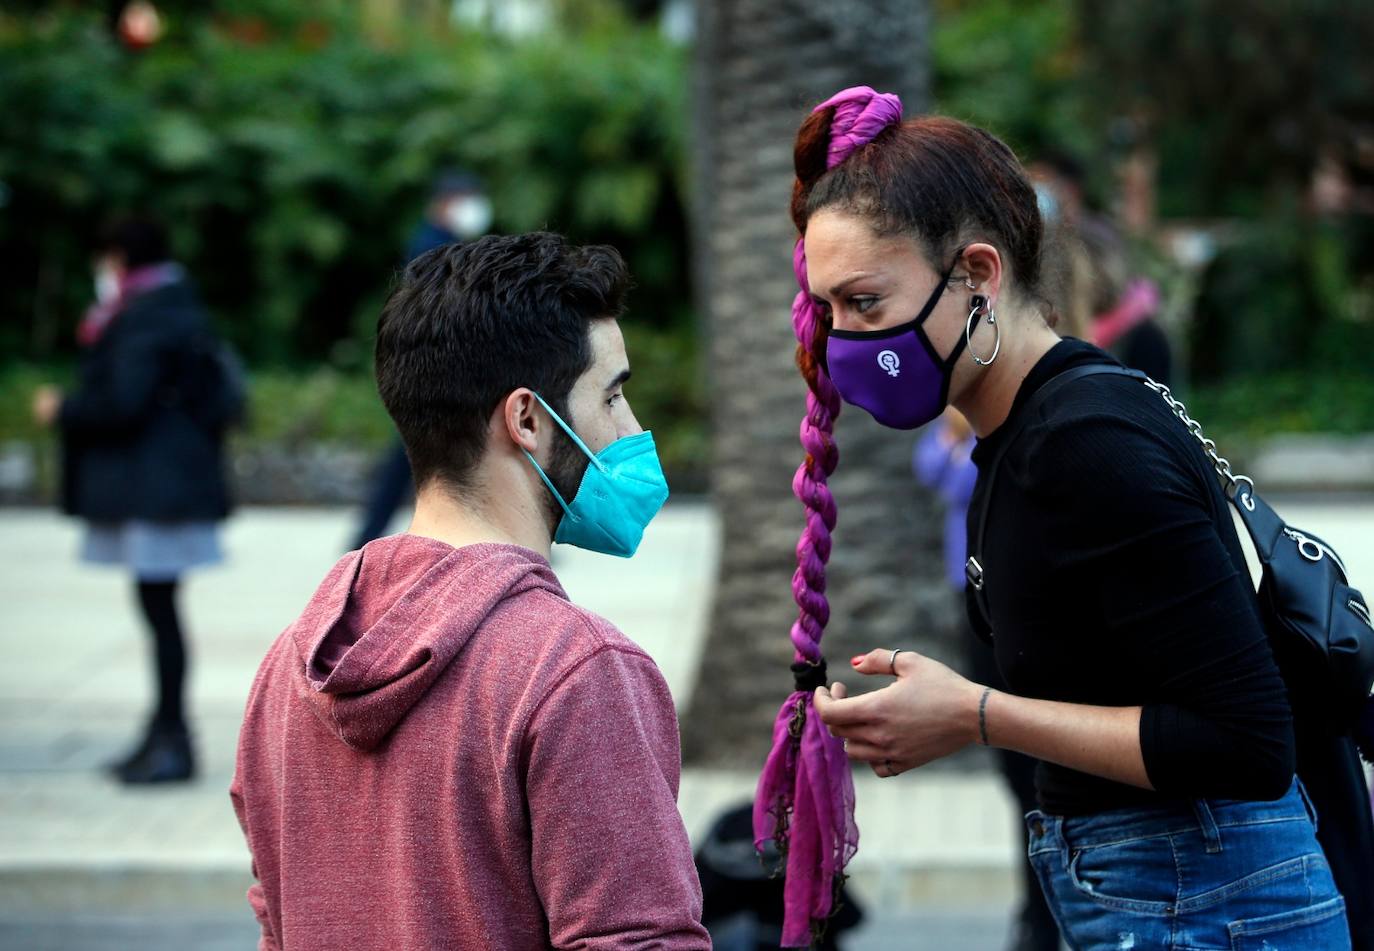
(984, 269)
(519, 418)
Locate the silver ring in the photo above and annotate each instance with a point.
(968, 335)
(892, 661)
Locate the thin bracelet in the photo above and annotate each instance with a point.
(983, 716)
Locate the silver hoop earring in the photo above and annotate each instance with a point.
(968, 334)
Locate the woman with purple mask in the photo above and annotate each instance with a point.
(1109, 570)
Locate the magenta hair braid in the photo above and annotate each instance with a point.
(805, 799)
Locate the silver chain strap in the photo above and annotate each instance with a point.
(1223, 467)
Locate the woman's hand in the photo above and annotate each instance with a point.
(47, 403)
(929, 712)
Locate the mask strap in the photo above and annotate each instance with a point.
(960, 343)
(940, 289)
(571, 435)
(540, 469)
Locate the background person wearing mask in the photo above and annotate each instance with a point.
(1088, 273)
(143, 440)
(458, 210)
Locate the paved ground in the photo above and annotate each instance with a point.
(86, 864)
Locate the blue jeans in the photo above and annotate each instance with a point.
(1221, 874)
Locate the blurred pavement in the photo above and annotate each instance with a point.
(87, 864)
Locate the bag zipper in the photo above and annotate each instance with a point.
(1313, 550)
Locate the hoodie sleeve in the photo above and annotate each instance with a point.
(257, 897)
(611, 859)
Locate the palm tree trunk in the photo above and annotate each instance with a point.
(761, 64)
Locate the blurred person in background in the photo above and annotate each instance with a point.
(458, 210)
(1087, 271)
(143, 456)
(444, 751)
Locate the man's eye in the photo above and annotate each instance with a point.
(614, 397)
(863, 304)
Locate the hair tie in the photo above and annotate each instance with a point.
(860, 114)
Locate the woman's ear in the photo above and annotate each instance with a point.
(984, 270)
(520, 419)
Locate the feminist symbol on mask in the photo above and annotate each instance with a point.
(890, 362)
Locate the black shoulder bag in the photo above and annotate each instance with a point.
(1318, 625)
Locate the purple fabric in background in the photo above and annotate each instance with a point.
(946, 467)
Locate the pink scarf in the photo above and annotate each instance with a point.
(100, 315)
(1137, 304)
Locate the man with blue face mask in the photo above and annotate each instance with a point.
(443, 750)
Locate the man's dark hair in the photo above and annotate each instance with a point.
(469, 323)
(139, 239)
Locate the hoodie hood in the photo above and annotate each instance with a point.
(389, 619)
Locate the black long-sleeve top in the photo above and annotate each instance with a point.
(1113, 576)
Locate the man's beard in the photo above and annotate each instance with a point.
(567, 465)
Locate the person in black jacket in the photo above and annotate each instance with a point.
(458, 210)
(1109, 577)
(142, 437)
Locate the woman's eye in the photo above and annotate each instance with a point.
(614, 397)
(864, 304)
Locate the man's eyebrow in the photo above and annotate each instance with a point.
(619, 380)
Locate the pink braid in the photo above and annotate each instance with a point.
(805, 798)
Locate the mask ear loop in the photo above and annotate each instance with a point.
(549, 483)
(980, 303)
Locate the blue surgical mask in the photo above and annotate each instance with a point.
(621, 491)
(1048, 202)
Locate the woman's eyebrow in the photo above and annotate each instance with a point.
(839, 288)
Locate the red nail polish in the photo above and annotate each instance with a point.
(856, 661)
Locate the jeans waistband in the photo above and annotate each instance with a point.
(1205, 815)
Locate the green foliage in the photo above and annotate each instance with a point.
(297, 408)
(668, 397)
(1284, 293)
(17, 384)
(291, 148)
(293, 156)
(1250, 408)
(1240, 98)
(1013, 67)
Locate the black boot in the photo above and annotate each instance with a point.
(115, 767)
(164, 757)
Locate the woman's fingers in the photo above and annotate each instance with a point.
(837, 710)
(886, 660)
(865, 752)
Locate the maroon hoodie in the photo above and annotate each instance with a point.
(444, 752)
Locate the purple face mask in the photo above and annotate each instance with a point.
(896, 374)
